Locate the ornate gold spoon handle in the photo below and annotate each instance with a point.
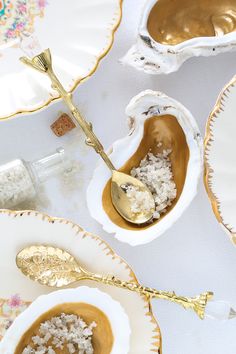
(87, 127)
(55, 267)
(197, 304)
(43, 63)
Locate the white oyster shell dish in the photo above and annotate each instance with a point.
(112, 309)
(154, 57)
(220, 159)
(156, 105)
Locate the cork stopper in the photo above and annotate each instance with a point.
(62, 125)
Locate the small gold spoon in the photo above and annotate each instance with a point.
(55, 267)
(120, 181)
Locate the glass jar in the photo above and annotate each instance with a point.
(20, 179)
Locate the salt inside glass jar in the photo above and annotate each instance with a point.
(19, 179)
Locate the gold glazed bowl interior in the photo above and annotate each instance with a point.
(102, 334)
(172, 22)
(164, 129)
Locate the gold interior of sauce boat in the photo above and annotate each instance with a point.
(167, 130)
(102, 338)
(175, 21)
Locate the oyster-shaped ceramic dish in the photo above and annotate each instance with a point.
(153, 118)
(171, 32)
(112, 329)
(220, 159)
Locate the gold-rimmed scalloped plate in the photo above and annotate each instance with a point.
(79, 34)
(220, 159)
(24, 228)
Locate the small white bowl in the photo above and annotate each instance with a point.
(112, 309)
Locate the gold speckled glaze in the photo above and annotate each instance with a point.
(167, 130)
(174, 21)
(102, 335)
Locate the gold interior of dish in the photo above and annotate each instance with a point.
(102, 338)
(175, 21)
(164, 129)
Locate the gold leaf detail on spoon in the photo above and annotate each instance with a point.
(48, 265)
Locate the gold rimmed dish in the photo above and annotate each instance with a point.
(79, 40)
(157, 123)
(109, 323)
(220, 160)
(23, 227)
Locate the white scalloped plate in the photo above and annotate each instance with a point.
(79, 33)
(220, 159)
(24, 228)
(112, 309)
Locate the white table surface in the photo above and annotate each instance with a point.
(195, 254)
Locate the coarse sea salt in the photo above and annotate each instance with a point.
(66, 332)
(19, 179)
(156, 172)
(140, 200)
(15, 184)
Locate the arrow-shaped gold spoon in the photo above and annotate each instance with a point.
(120, 181)
(55, 267)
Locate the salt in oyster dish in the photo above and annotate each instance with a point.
(164, 151)
(171, 32)
(82, 320)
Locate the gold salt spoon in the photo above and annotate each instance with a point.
(119, 181)
(55, 267)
